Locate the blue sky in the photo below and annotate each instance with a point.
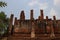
(50, 7)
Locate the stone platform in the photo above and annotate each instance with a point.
(27, 37)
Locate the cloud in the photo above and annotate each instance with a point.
(32, 3)
(43, 5)
(53, 13)
(40, 5)
(56, 2)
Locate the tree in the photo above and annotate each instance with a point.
(2, 27)
(3, 19)
(3, 4)
(3, 23)
(2, 15)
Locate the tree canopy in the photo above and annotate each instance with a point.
(2, 15)
(3, 22)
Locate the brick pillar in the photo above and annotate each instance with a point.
(20, 23)
(42, 22)
(22, 15)
(42, 15)
(39, 18)
(33, 30)
(47, 27)
(55, 24)
(54, 18)
(52, 30)
(46, 18)
(15, 23)
(31, 15)
(31, 18)
(10, 23)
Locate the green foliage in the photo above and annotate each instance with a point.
(3, 22)
(2, 27)
(3, 4)
(2, 15)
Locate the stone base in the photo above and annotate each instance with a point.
(37, 37)
(52, 36)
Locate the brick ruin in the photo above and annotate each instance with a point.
(38, 26)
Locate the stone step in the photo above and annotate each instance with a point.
(21, 35)
(42, 35)
(37, 37)
(28, 38)
(57, 35)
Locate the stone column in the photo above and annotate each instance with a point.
(42, 22)
(15, 23)
(47, 27)
(10, 23)
(32, 24)
(52, 30)
(31, 15)
(42, 15)
(54, 17)
(55, 24)
(46, 18)
(39, 18)
(42, 26)
(22, 15)
(33, 30)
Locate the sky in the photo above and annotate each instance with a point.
(50, 8)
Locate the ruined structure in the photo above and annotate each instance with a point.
(34, 28)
